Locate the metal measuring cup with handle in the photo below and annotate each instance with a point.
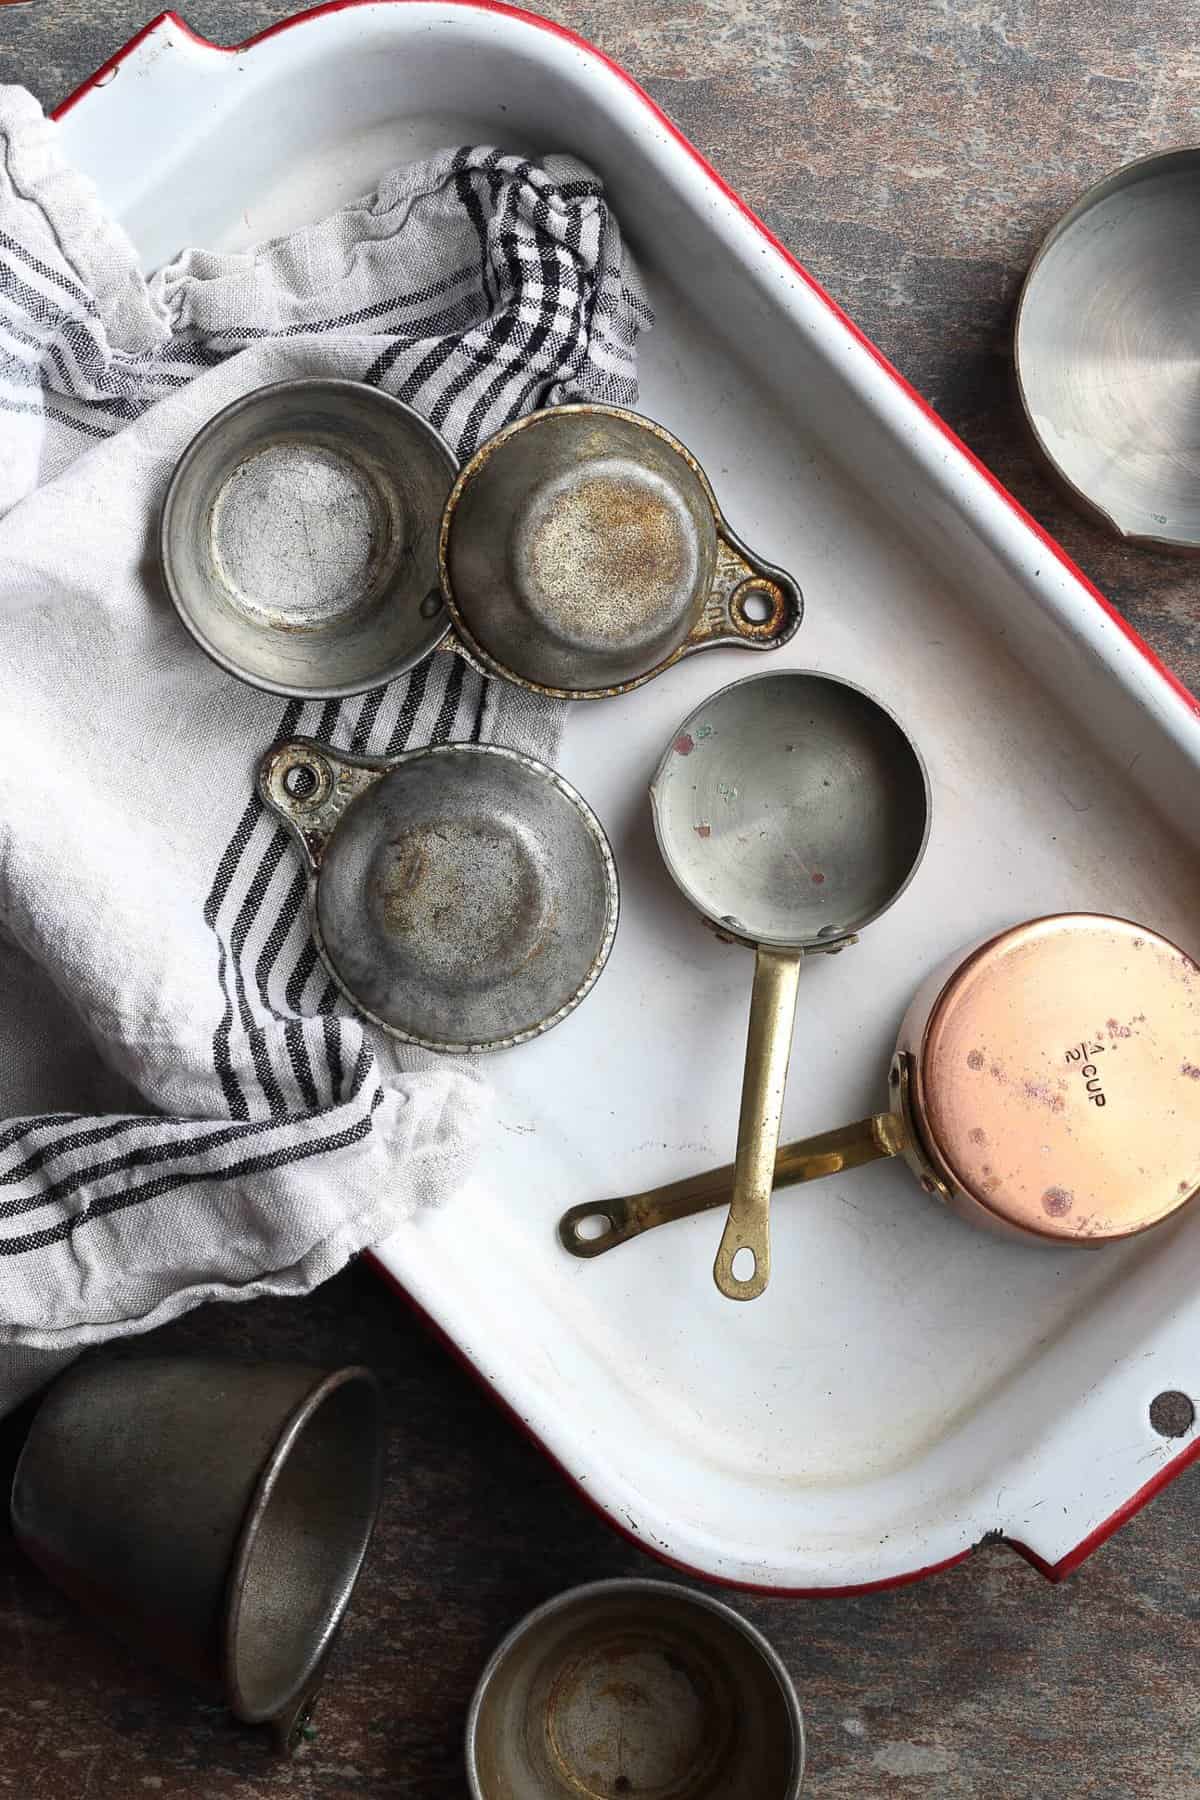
(1046, 1084)
(582, 552)
(792, 810)
(317, 540)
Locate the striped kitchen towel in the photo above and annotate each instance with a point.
(187, 1109)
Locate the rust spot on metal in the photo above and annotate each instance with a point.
(703, 831)
(817, 877)
(771, 595)
(627, 1692)
(647, 540)
(436, 888)
(1044, 1095)
(684, 744)
(1058, 1202)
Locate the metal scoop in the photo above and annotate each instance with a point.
(791, 809)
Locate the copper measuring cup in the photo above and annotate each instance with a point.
(1047, 1085)
(791, 809)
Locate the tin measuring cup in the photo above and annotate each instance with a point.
(635, 1687)
(792, 810)
(214, 1514)
(1105, 331)
(463, 896)
(582, 552)
(298, 538)
(1045, 1084)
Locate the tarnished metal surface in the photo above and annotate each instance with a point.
(938, 144)
(1106, 338)
(463, 896)
(1057, 1078)
(593, 1227)
(214, 1514)
(582, 552)
(1007, 1107)
(629, 1688)
(299, 537)
(743, 1263)
(791, 809)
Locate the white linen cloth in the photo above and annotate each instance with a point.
(187, 1109)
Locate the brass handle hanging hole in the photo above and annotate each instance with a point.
(744, 1264)
(595, 1225)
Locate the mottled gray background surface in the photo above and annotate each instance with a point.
(912, 155)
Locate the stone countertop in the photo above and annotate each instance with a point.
(912, 156)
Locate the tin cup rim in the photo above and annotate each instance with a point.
(645, 1586)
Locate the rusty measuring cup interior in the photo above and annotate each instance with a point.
(635, 1688)
(791, 809)
(1018, 1096)
(582, 552)
(463, 896)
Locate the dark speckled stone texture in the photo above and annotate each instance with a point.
(912, 155)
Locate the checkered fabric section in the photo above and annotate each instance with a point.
(232, 1126)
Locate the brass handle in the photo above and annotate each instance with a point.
(596, 1226)
(768, 1051)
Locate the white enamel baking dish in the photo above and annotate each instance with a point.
(907, 1386)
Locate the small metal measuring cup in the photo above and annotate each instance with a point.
(214, 1514)
(463, 896)
(1012, 1100)
(582, 552)
(298, 538)
(1105, 342)
(635, 1687)
(791, 809)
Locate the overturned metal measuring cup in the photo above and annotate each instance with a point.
(583, 552)
(792, 810)
(298, 538)
(213, 1514)
(635, 1687)
(463, 896)
(1045, 1083)
(1105, 342)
